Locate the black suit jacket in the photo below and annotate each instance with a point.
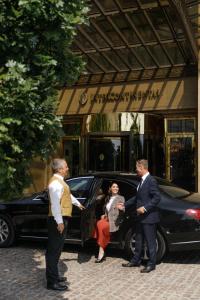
(148, 196)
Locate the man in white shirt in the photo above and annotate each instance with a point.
(60, 210)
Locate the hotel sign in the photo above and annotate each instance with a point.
(119, 97)
(160, 95)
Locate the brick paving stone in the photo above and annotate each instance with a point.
(22, 276)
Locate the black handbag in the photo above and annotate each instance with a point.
(120, 218)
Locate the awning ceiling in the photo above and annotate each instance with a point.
(129, 40)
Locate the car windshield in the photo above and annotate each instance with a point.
(172, 190)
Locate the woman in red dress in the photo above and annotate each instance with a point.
(107, 223)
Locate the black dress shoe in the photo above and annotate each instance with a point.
(62, 279)
(148, 269)
(130, 265)
(57, 287)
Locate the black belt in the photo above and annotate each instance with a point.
(64, 217)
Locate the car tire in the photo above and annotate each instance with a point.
(7, 233)
(130, 245)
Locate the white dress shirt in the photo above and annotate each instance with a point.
(110, 202)
(142, 180)
(141, 183)
(55, 192)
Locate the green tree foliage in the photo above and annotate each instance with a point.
(135, 127)
(35, 40)
(100, 122)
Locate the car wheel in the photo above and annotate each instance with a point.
(7, 234)
(130, 246)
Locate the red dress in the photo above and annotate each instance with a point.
(102, 233)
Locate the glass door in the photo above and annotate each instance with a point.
(108, 153)
(180, 165)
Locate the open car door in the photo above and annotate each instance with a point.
(88, 218)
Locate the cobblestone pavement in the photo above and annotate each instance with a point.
(22, 276)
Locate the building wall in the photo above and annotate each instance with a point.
(166, 97)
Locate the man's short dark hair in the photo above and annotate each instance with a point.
(143, 162)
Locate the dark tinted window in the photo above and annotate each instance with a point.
(80, 186)
(185, 125)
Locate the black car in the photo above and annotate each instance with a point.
(179, 209)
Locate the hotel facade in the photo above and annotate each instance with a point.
(139, 95)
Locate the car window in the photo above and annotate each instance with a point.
(42, 196)
(80, 186)
(126, 189)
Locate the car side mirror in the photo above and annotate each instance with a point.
(45, 196)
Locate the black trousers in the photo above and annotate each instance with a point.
(145, 232)
(54, 249)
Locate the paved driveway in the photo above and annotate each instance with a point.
(22, 276)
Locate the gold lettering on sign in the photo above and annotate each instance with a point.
(125, 97)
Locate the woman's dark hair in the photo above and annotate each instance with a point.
(110, 185)
(109, 191)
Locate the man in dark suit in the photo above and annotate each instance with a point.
(146, 201)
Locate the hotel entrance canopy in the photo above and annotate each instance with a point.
(128, 40)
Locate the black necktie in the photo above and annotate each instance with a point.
(139, 185)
